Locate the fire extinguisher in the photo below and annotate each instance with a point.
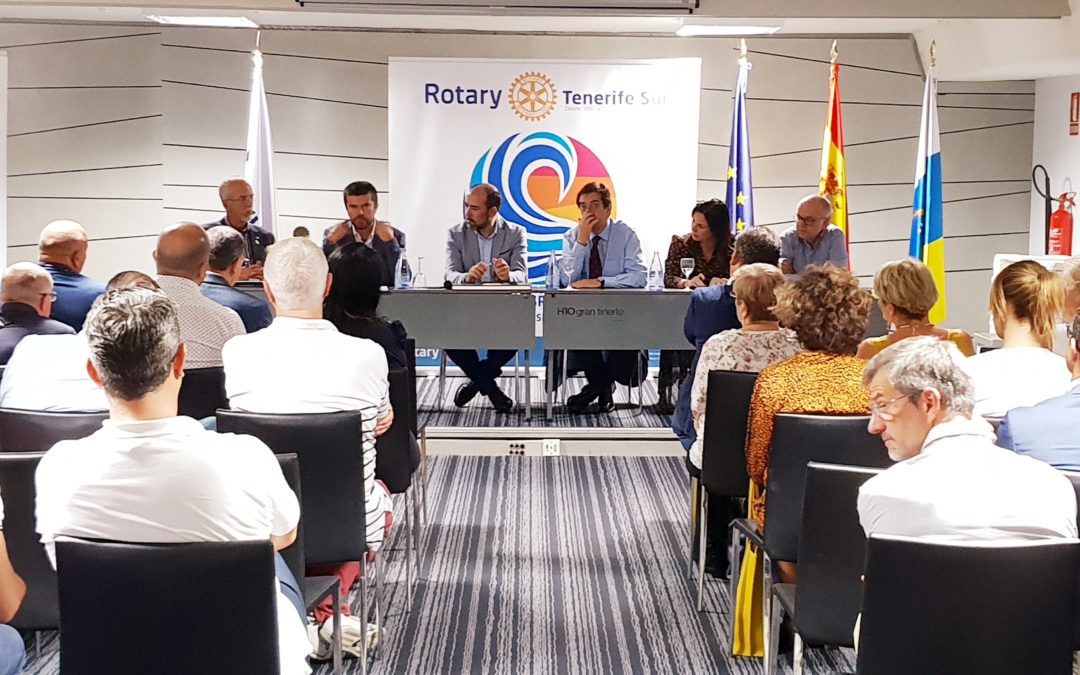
(1061, 226)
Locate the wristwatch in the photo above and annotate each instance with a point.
(601, 282)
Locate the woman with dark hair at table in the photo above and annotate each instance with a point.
(709, 244)
(353, 303)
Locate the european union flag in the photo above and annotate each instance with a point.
(740, 200)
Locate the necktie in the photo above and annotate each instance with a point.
(596, 266)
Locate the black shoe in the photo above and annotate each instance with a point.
(500, 401)
(605, 404)
(579, 403)
(664, 406)
(465, 393)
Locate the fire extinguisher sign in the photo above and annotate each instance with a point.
(1074, 114)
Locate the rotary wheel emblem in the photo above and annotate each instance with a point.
(532, 96)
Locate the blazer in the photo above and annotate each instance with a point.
(463, 250)
(255, 313)
(256, 239)
(19, 320)
(1047, 431)
(389, 251)
(74, 295)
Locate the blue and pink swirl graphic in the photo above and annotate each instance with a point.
(539, 175)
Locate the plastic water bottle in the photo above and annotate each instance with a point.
(656, 273)
(552, 279)
(402, 273)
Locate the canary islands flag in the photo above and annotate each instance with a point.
(740, 201)
(833, 182)
(927, 231)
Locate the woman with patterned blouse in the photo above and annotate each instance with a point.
(709, 244)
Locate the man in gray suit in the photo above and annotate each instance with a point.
(485, 248)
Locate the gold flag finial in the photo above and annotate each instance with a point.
(834, 53)
(933, 54)
(258, 39)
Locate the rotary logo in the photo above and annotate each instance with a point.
(532, 96)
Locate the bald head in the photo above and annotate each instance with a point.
(183, 251)
(63, 242)
(29, 284)
(812, 217)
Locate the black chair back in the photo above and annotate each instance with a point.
(393, 461)
(832, 550)
(36, 431)
(935, 608)
(139, 608)
(1074, 478)
(330, 451)
(723, 449)
(202, 392)
(798, 440)
(410, 355)
(294, 554)
(40, 609)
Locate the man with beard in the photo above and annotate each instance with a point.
(361, 203)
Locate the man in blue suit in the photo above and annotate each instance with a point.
(62, 252)
(712, 311)
(1048, 431)
(226, 262)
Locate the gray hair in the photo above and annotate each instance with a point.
(226, 247)
(925, 362)
(133, 335)
(821, 199)
(223, 188)
(295, 270)
(25, 282)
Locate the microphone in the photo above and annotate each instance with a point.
(447, 285)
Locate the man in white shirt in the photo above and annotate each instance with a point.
(951, 483)
(183, 258)
(325, 371)
(149, 476)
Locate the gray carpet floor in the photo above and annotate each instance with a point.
(552, 565)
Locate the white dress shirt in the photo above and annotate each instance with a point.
(48, 373)
(962, 487)
(308, 366)
(170, 481)
(205, 326)
(1016, 377)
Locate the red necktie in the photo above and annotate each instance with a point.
(596, 266)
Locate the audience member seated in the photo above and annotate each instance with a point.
(712, 310)
(905, 291)
(605, 253)
(1048, 431)
(324, 371)
(12, 592)
(27, 295)
(951, 482)
(1025, 301)
(813, 239)
(149, 476)
(48, 372)
(182, 257)
(760, 342)
(353, 303)
(62, 252)
(709, 246)
(226, 264)
(828, 312)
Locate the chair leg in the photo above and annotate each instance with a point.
(417, 538)
(772, 642)
(735, 570)
(695, 505)
(37, 645)
(797, 657)
(363, 610)
(423, 472)
(442, 376)
(336, 603)
(703, 536)
(766, 602)
(409, 543)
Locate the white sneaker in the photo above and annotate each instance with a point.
(356, 639)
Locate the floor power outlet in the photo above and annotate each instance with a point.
(551, 447)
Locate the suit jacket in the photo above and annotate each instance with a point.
(20, 320)
(1047, 431)
(463, 251)
(74, 295)
(256, 239)
(255, 313)
(389, 251)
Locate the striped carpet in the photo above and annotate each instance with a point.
(436, 412)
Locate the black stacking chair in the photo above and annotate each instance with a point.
(40, 609)
(1074, 478)
(798, 440)
(394, 464)
(157, 608)
(202, 392)
(832, 550)
(723, 453)
(329, 447)
(35, 431)
(968, 608)
(419, 430)
(314, 588)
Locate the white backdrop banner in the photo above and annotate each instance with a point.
(538, 131)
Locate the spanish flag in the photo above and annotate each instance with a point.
(833, 184)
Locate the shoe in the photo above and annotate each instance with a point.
(500, 401)
(579, 403)
(605, 404)
(356, 639)
(664, 405)
(465, 393)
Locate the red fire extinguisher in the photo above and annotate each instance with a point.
(1061, 225)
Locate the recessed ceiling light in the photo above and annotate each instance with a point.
(695, 30)
(208, 21)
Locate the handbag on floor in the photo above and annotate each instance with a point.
(748, 633)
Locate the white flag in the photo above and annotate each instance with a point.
(259, 165)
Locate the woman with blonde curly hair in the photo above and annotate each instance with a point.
(906, 292)
(1025, 302)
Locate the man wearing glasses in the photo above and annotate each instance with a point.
(238, 200)
(27, 295)
(812, 240)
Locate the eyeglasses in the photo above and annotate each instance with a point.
(803, 220)
(52, 296)
(880, 409)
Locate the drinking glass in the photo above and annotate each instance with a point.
(687, 266)
(419, 280)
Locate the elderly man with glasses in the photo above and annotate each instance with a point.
(812, 240)
(27, 296)
(951, 483)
